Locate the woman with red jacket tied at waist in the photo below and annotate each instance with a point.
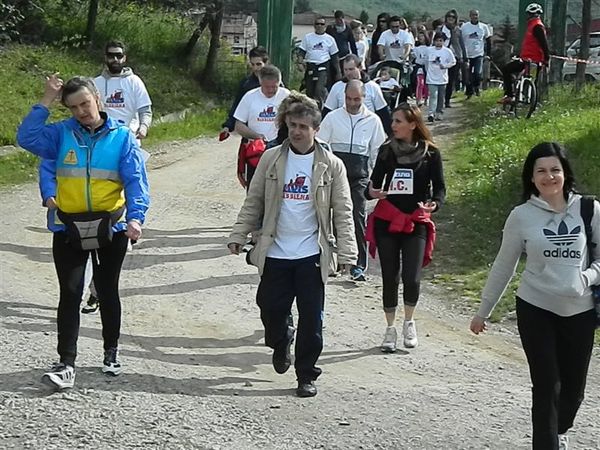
(534, 48)
(408, 180)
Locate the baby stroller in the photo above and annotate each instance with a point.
(396, 91)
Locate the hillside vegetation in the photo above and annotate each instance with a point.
(155, 39)
(483, 177)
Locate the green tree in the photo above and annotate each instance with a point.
(301, 6)
(364, 17)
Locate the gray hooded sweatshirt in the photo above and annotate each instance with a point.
(557, 275)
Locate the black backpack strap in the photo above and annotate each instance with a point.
(587, 212)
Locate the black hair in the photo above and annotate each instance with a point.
(339, 14)
(259, 52)
(395, 19)
(440, 35)
(543, 150)
(115, 43)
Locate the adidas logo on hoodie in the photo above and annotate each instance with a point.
(562, 238)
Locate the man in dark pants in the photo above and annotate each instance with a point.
(319, 52)
(355, 134)
(476, 37)
(299, 192)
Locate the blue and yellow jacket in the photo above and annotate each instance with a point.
(94, 172)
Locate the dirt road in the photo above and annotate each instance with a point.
(197, 375)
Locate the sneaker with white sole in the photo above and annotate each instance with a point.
(357, 274)
(61, 376)
(111, 364)
(409, 332)
(91, 305)
(563, 442)
(389, 341)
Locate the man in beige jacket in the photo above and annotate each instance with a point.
(298, 192)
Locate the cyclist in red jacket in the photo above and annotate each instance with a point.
(534, 48)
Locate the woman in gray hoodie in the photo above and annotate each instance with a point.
(555, 309)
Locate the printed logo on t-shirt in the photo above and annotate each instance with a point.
(116, 99)
(70, 157)
(268, 114)
(296, 189)
(473, 35)
(561, 238)
(396, 44)
(319, 46)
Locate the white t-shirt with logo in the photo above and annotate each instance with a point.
(259, 112)
(318, 47)
(394, 44)
(438, 62)
(297, 234)
(122, 97)
(374, 100)
(474, 36)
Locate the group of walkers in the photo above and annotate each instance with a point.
(309, 166)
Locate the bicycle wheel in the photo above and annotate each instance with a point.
(541, 84)
(526, 99)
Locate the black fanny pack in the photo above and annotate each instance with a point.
(90, 230)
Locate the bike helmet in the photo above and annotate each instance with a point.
(534, 8)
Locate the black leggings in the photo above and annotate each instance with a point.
(412, 248)
(70, 266)
(558, 351)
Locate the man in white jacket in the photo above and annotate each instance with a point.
(355, 134)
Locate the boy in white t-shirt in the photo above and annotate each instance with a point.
(439, 60)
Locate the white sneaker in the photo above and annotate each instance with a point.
(563, 442)
(61, 376)
(409, 331)
(111, 365)
(389, 341)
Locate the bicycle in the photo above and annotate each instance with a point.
(530, 88)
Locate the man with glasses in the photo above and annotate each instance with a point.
(395, 44)
(123, 94)
(319, 51)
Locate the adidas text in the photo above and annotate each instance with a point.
(566, 253)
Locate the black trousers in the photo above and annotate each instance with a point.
(358, 187)
(509, 71)
(400, 253)
(70, 267)
(558, 351)
(453, 73)
(315, 78)
(283, 281)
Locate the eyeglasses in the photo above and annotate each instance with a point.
(320, 24)
(115, 55)
(451, 17)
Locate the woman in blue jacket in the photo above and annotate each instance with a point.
(101, 201)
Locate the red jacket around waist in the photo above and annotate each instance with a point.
(400, 222)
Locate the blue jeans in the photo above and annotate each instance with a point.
(475, 71)
(437, 92)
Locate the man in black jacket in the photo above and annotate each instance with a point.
(258, 57)
(343, 36)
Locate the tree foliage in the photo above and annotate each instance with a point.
(364, 17)
(302, 6)
(13, 14)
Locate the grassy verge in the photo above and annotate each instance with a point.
(483, 178)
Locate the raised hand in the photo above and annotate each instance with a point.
(52, 89)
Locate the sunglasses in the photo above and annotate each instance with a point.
(115, 55)
(319, 24)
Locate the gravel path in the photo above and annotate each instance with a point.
(197, 375)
